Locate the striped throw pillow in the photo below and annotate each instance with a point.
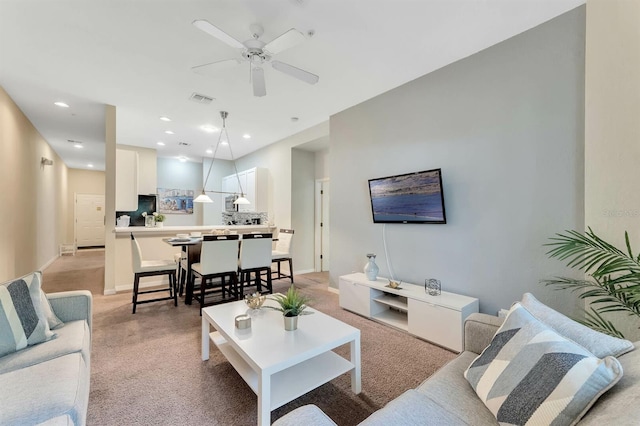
(530, 374)
(22, 321)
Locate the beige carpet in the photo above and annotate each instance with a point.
(146, 368)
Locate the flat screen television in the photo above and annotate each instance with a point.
(408, 198)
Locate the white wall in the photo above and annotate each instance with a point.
(506, 127)
(612, 128)
(302, 208)
(322, 164)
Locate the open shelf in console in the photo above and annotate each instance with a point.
(398, 302)
(393, 318)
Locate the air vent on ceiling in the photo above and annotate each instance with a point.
(184, 144)
(72, 141)
(201, 99)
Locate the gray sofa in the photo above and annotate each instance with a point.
(446, 398)
(48, 383)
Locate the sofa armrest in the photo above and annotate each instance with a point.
(479, 329)
(308, 415)
(72, 305)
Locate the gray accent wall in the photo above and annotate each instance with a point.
(506, 126)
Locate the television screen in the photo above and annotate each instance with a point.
(409, 198)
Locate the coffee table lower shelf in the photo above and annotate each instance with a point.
(293, 382)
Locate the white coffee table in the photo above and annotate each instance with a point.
(280, 365)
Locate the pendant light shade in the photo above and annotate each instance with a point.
(203, 197)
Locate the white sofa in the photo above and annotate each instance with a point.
(48, 383)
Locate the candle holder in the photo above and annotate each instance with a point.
(432, 287)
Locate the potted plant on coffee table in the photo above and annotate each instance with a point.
(291, 305)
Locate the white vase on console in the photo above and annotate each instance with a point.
(371, 269)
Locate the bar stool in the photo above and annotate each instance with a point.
(218, 259)
(148, 268)
(282, 253)
(255, 257)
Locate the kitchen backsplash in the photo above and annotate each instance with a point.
(245, 218)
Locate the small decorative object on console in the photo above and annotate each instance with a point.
(255, 300)
(395, 284)
(371, 269)
(432, 287)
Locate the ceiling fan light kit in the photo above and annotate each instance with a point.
(257, 53)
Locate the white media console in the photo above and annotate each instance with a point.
(438, 319)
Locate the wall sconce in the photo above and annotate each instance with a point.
(45, 162)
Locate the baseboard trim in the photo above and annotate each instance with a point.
(333, 290)
(109, 292)
(46, 265)
(304, 271)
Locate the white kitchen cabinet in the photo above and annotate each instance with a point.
(254, 186)
(437, 319)
(126, 180)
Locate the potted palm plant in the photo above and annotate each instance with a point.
(614, 284)
(291, 305)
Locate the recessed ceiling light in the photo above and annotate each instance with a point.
(165, 118)
(209, 128)
(61, 104)
(160, 143)
(209, 151)
(89, 165)
(169, 132)
(77, 145)
(224, 143)
(246, 136)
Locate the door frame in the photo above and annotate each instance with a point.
(317, 262)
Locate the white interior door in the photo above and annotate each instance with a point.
(322, 225)
(89, 220)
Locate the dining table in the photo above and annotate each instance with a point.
(191, 246)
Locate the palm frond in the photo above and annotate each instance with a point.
(595, 321)
(588, 252)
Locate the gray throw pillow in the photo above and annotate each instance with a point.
(599, 344)
(22, 320)
(530, 374)
(52, 318)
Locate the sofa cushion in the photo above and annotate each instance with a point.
(72, 337)
(599, 344)
(49, 390)
(413, 408)
(621, 402)
(449, 381)
(22, 320)
(531, 374)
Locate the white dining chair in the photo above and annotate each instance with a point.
(282, 253)
(255, 259)
(147, 268)
(218, 260)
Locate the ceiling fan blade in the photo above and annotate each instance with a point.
(257, 78)
(303, 75)
(213, 67)
(285, 41)
(216, 32)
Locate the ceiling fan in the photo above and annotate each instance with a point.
(256, 53)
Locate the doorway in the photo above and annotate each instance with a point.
(322, 226)
(89, 220)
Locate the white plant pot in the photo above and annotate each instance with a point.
(290, 323)
(159, 224)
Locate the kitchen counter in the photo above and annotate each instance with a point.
(186, 229)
